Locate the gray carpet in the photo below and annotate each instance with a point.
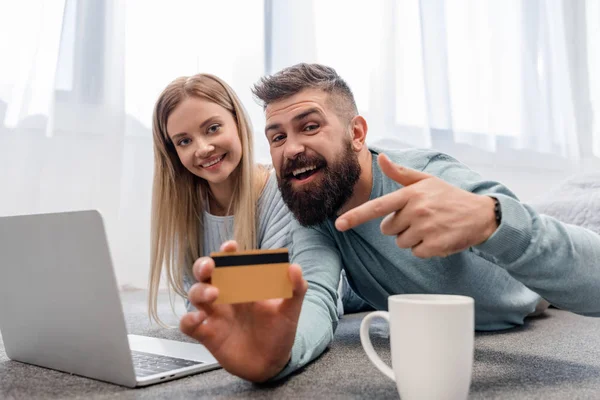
(556, 356)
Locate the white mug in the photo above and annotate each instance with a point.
(431, 340)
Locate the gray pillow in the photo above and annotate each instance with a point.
(575, 201)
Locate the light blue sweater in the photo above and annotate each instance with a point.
(274, 219)
(529, 256)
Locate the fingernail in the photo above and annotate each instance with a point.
(203, 263)
(193, 318)
(211, 292)
(341, 224)
(196, 318)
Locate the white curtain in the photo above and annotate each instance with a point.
(491, 76)
(78, 80)
(508, 80)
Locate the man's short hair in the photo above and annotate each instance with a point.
(296, 78)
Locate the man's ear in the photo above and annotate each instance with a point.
(358, 132)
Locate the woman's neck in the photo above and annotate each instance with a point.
(219, 200)
(220, 196)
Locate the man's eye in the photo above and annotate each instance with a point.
(214, 128)
(277, 138)
(183, 142)
(311, 127)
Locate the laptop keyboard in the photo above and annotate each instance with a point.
(146, 364)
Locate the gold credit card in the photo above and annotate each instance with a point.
(253, 275)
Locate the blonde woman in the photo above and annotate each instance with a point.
(206, 188)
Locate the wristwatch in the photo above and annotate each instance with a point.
(497, 210)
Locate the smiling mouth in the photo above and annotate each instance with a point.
(213, 162)
(304, 173)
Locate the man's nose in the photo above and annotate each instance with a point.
(292, 148)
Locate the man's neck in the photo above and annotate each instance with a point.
(364, 185)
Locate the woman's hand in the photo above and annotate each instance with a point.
(251, 340)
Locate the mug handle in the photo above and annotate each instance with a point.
(365, 340)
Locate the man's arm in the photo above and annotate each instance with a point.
(446, 208)
(560, 262)
(320, 260)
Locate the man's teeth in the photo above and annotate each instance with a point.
(208, 164)
(303, 170)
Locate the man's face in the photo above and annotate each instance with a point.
(312, 153)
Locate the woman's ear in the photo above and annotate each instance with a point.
(358, 131)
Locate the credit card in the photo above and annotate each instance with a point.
(253, 275)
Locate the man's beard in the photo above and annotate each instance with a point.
(315, 202)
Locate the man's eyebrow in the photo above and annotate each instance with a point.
(297, 118)
(306, 113)
(272, 126)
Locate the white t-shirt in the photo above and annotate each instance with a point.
(274, 220)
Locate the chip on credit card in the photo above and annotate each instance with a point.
(252, 275)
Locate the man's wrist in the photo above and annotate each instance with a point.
(497, 211)
(493, 217)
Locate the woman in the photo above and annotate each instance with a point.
(206, 187)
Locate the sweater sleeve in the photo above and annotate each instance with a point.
(560, 262)
(274, 217)
(317, 254)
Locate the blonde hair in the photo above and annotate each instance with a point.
(178, 196)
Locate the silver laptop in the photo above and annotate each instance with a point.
(60, 306)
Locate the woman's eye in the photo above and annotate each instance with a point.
(214, 128)
(183, 142)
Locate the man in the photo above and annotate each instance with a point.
(412, 221)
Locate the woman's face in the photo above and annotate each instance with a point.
(206, 138)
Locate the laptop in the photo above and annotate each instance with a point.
(60, 305)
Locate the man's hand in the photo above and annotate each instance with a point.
(250, 340)
(427, 215)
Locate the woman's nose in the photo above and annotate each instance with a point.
(204, 150)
